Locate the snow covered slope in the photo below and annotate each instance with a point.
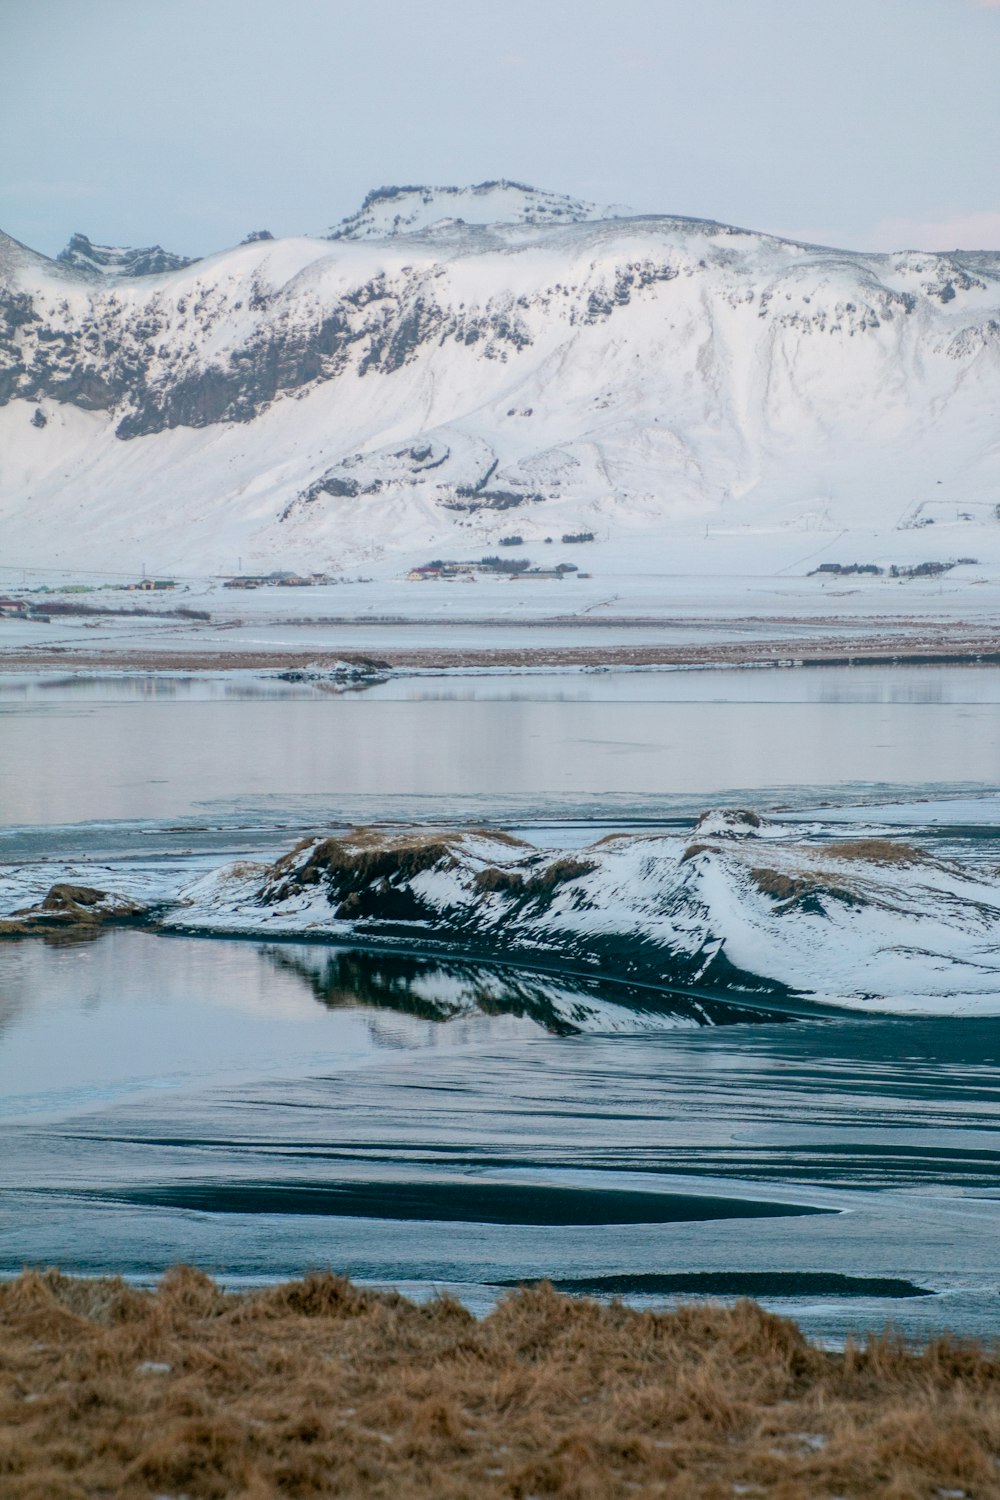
(739, 908)
(459, 364)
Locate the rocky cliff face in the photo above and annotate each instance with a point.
(116, 260)
(389, 211)
(219, 344)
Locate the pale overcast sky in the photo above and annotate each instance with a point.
(868, 123)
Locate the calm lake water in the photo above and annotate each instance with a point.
(107, 749)
(261, 1108)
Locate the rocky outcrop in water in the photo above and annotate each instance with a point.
(739, 909)
(71, 911)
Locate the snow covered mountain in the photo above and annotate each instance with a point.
(455, 364)
(117, 260)
(390, 211)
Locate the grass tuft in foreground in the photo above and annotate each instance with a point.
(318, 1388)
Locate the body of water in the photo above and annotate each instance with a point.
(110, 749)
(258, 1109)
(262, 1108)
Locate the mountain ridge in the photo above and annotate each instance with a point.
(117, 260)
(639, 372)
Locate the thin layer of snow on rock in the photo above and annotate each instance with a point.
(145, 884)
(120, 260)
(865, 923)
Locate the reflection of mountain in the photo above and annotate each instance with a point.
(442, 989)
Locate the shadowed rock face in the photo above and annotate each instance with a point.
(102, 360)
(110, 260)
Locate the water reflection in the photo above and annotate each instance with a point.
(442, 989)
(69, 764)
(899, 684)
(130, 1010)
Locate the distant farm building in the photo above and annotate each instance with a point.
(282, 578)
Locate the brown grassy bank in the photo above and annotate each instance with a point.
(942, 645)
(316, 1388)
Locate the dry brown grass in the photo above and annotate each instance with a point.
(66, 909)
(540, 885)
(876, 852)
(782, 887)
(352, 866)
(317, 1388)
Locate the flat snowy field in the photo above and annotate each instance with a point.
(675, 618)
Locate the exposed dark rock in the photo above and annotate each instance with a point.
(493, 500)
(107, 260)
(341, 676)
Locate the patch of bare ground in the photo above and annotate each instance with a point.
(539, 885)
(785, 887)
(789, 888)
(943, 644)
(317, 1388)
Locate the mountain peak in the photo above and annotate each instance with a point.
(119, 260)
(412, 209)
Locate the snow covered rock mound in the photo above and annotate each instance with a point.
(864, 923)
(71, 909)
